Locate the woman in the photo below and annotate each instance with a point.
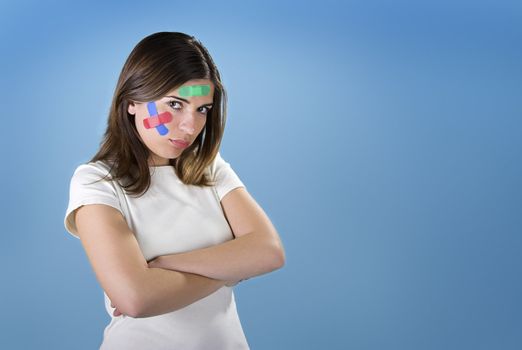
(166, 223)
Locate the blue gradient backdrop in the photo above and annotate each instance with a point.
(382, 138)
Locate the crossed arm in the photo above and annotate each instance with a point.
(249, 255)
(256, 250)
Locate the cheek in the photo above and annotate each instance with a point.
(146, 134)
(158, 122)
(142, 132)
(203, 122)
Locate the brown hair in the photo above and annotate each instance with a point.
(158, 64)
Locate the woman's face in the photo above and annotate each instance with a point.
(179, 115)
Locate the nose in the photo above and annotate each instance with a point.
(187, 123)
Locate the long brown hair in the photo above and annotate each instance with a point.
(158, 64)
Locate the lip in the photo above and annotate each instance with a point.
(179, 143)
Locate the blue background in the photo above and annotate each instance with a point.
(382, 139)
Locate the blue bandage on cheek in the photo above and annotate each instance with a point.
(151, 106)
(162, 129)
(153, 112)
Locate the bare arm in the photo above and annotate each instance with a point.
(134, 288)
(165, 291)
(256, 250)
(237, 259)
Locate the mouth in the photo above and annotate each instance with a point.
(179, 143)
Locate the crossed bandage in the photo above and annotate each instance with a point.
(157, 121)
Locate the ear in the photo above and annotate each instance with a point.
(131, 109)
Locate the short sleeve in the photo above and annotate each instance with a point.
(85, 190)
(225, 177)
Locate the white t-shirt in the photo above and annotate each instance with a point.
(169, 218)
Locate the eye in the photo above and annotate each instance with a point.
(171, 104)
(206, 109)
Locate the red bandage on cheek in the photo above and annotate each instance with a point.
(155, 121)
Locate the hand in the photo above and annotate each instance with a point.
(116, 311)
(154, 262)
(232, 283)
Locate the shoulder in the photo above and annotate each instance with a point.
(90, 185)
(92, 170)
(99, 166)
(218, 166)
(223, 176)
(93, 176)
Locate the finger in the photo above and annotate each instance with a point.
(117, 313)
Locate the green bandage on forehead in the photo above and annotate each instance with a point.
(194, 90)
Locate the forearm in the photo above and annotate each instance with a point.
(162, 291)
(238, 259)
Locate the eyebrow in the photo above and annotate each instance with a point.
(182, 99)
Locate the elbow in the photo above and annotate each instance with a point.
(281, 259)
(128, 306)
(132, 303)
(138, 313)
(138, 310)
(146, 306)
(140, 307)
(133, 313)
(135, 308)
(128, 293)
(278, 257)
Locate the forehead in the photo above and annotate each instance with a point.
(194, 88)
